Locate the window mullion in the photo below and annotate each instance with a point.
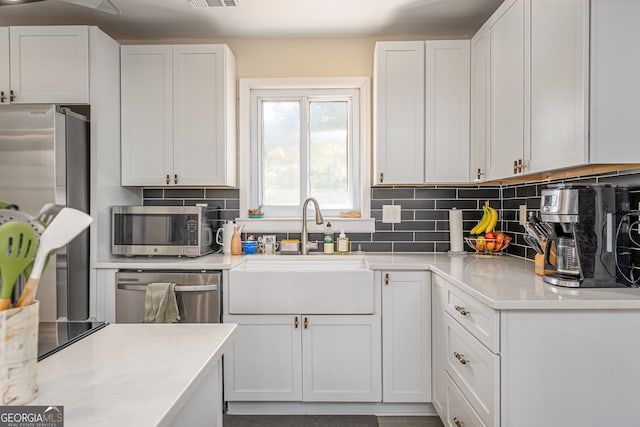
(304, 149)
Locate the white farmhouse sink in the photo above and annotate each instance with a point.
(301, 285)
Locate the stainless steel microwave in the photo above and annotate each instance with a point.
(163, 230)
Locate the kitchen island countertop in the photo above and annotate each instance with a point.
(133, 374)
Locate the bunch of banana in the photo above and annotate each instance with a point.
(488, 222)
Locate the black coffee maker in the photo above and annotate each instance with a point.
(584, 224)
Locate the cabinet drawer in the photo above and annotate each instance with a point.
(482, 321)
(459, 410)
(474, 369)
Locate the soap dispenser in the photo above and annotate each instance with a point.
(342, 243)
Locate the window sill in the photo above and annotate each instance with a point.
(294, 225)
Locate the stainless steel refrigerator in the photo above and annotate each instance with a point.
(44, 158)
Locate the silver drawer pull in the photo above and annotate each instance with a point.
(461, 310)
(457, 422)
(460, 357)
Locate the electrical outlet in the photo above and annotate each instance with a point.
(391, 213)
(523, 214)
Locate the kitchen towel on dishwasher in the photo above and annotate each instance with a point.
(160, 305)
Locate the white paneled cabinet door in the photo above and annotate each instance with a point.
(341, 358)
(264, 361)
(559, 79)
(399, 112)
(406, 332)
(147, 110)
(507, 115)
(438, 343)
(49, 64)
(5, 81)
(447, 68)
(480, 108)
(198, 84)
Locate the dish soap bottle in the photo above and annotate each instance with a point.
(236, 242)
(342, 243)
(328, 239)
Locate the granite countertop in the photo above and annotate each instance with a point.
(501, 282)
(103, 379)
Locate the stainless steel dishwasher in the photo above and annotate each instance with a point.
(197, 294)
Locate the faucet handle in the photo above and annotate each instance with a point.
(312, 245)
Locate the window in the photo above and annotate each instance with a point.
(306, 138)
(302, 146)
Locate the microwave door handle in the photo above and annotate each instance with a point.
(209, 237)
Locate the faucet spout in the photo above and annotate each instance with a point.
(305, 245)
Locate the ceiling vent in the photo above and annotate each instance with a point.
(212, 3)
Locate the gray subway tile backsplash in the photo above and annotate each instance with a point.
(424, 211)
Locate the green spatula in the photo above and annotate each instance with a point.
(18, 244)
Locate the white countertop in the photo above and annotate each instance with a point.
(501, 282)
(206, 262)
(505, 282)
(131, 374)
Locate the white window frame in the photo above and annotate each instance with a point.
(293, 224)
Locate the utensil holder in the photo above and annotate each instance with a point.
(19, 354)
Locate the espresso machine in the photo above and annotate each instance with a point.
(583, 219)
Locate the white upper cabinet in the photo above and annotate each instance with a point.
(615, 87)
(563, 86)
(421, 112)
(44, 65)
(399, 112)
(559, 64)
(178, 115)
(447, 92)
(147, 115)
(480, 86)
(5, 70)
(507, 90)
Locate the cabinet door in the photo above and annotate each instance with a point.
(264, 361)
(198, 119)
(507, 90)
(50, 64)
(439, 347)
(4, 66)
(447, 68)
(147, 109)
(341, 358)
(406, 330)
(480, 86)
(559, 78)
(399, 112)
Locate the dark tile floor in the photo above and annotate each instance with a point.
(328, 421)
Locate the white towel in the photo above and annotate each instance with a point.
(160, 305)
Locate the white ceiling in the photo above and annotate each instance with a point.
(174, 19)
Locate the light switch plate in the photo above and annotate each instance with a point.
(391, 213)
(523, 214)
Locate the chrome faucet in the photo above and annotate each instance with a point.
(305, 245)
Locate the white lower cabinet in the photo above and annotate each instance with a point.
(333, 358)
(466, 359)
(406, 336)
(459, 412)
(438, 331)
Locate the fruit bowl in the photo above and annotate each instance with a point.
(488, 246)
